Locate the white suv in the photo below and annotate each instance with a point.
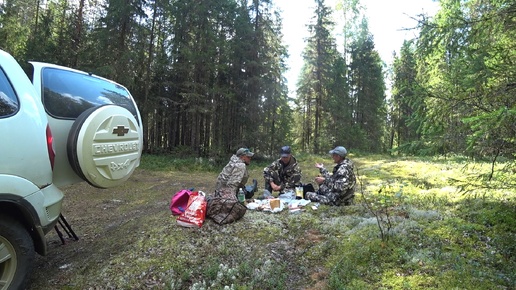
(65, 127)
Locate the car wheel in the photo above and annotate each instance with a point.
(104, 145)
(16, 254)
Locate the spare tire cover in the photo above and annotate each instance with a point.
(104, 145)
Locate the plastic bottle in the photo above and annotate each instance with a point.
(241, 195)
(299, 191)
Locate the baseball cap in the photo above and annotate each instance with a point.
(244, 151)
(285, 151)
(339, 150)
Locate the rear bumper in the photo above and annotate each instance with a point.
(47, 203)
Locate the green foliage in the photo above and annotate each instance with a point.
(384, 206)
(170, 163)
(209, 76)
(438, 238)
(16, 19)
(408, 107)
(341, 95)
(367, 89)
(465, 66)
(323, 73)
(205, 75)
(484, 139)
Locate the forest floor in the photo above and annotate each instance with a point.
(129, 240)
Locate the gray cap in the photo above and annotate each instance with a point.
(244, 151)
(285, 151)
(339, 150)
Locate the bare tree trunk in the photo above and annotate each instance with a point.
(148, 69)
(77, 38)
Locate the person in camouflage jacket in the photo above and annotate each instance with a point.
(337, 188)
(223, 206)
(234, 175)
(283, 174)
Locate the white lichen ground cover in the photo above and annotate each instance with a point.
(434, 236)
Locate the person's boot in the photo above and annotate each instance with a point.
(251, 189)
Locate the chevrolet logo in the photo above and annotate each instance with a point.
(120, 131)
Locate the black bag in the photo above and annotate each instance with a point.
(308, 188)
(251, 189)
(223, 210)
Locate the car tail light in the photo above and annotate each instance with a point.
(50, 147)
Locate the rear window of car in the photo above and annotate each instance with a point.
(66, 94)
(9, 104)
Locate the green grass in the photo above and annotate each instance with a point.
(416, 224)
(440, 229)
(168, 163)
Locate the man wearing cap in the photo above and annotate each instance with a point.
(337, 188)
(234, 175)
(284, 173)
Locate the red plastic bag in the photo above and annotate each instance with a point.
(195, 212)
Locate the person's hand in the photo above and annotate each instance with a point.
(275, 187)
(319, 179)
(319, 165)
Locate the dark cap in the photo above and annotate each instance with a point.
(285, 151)
(339, 150)
(244, 151)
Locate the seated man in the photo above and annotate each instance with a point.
(223, 206)
(337, 188)
(283, 174)
(234, 175)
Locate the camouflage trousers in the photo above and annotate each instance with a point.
(332, 198)
(274, 177)
(225, 192)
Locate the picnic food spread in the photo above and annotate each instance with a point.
(286, 200)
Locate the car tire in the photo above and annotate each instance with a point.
(16, 254)
(104, 145)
